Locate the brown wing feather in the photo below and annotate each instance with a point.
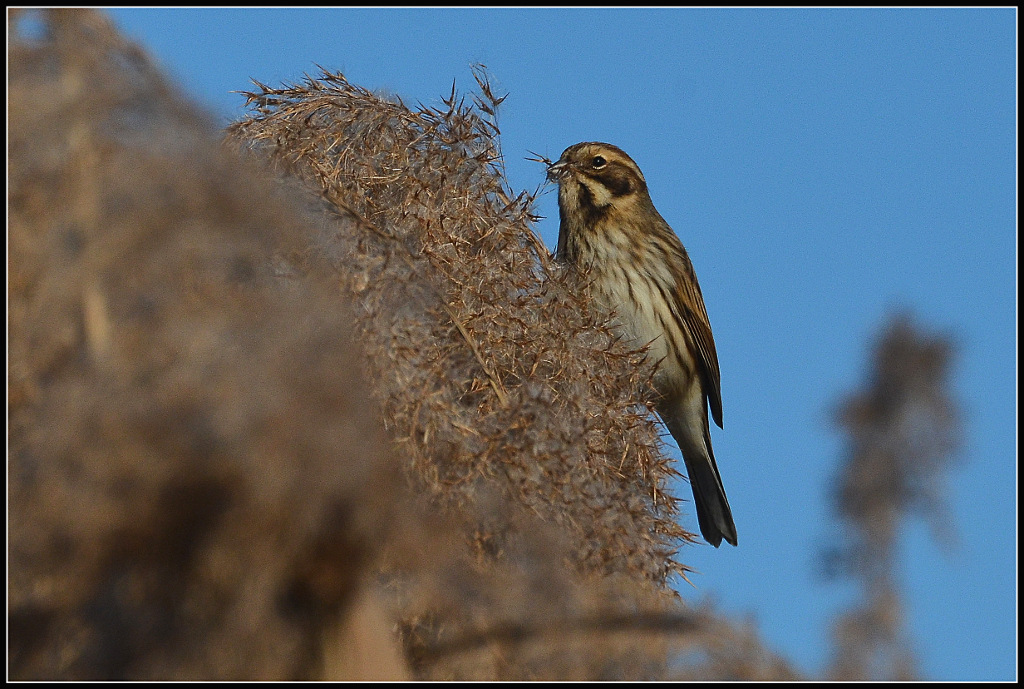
(690, 311)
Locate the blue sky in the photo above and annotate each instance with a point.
(824, 168)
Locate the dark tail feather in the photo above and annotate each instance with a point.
(713, 513)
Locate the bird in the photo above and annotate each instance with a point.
(639, 271)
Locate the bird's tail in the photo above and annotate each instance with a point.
(713, 512)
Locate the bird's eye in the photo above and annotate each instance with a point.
(598, 162)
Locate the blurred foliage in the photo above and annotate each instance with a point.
(903, 432)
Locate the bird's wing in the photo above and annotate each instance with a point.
(690, 312)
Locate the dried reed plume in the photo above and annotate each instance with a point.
(517, 411)
(903, 433)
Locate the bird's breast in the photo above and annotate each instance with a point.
(638, 288)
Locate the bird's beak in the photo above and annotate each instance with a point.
(557, 170)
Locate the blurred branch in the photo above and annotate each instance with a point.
(524, 632)
(903, 432)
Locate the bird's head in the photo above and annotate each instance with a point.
(596, 177)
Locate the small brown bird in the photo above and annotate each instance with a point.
(638, 269)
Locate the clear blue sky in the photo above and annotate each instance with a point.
(824, 168)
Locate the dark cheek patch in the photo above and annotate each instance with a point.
(586, 197)
(617, 180)
(590, 209)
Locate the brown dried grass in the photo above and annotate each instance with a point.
(490, 369)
